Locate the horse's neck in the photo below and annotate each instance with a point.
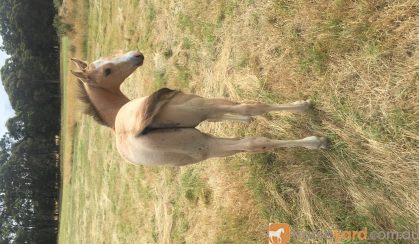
(108, 103)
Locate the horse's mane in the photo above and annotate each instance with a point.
(89, 108)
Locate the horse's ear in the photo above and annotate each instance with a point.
(79, 74)
(83, 77)
(80, 63)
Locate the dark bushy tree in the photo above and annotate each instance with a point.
(29, 173)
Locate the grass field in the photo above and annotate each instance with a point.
(356, 59)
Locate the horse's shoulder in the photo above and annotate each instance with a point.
(136, 115)
(128, 116)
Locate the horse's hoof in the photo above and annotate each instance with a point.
(315, 142)
(324, 143)
(309, 105)
(305, 105)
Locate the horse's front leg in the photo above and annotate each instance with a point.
(186, 110)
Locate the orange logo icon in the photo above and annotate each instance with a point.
(279, 233)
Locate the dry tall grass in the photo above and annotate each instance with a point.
(356, 59)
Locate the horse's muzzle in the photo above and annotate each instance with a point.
(138, 59)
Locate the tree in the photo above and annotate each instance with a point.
(28, 168)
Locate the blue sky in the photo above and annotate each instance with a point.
(6, 110)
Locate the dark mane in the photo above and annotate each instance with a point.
(90, 108)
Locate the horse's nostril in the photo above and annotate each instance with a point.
(139, 56)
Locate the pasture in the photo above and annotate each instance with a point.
(357, 60)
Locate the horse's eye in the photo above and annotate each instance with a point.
(107, 71)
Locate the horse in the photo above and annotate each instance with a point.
(159, 129)
(277, 234)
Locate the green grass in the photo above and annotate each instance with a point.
(187, 43)
(184, 22)
(160, 79)
(194, 188)
(57, 3)
(64, 47)
(64, 57)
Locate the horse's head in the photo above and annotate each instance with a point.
(108, 73)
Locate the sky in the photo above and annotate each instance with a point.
(6, 110)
